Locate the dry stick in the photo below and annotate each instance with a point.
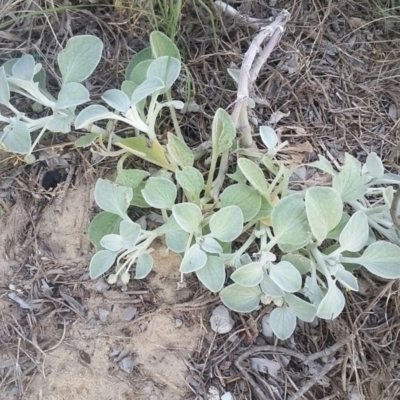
(312, 381)
(306, 360)
(248, 74)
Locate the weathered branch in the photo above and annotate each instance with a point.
(248, 71)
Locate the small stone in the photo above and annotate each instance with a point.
(178, 323)
(266, 326)
(103, 314)
(221, 320)
(129, 313)
(260, 341)
(101, 285)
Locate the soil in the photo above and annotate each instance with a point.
(87, 363)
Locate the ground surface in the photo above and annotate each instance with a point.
(332, 86)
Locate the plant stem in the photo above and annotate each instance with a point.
(210, 178)
(174, 117)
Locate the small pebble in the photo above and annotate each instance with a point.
(266, 326)
(221, 320)
(178, 323)
(129, 313)
(103, 314)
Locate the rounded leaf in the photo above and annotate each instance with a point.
(324, 209)
(188, 216)
(332, 304)
(249, 275)
(144, 265)
(193, 260)
(159, 193)
(243, 196)
(112, 242)
(283, 322)
(241, 299)
(355, 234)
(227, 224)
(130, 232)
(286, 276)
(212, 275)
(79, 58)
(101, 262)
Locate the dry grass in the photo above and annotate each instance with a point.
(336, 74)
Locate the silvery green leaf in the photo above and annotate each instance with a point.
(165, 68)
(249, 275)
(138, 199)
(24, 68)
(72, 94)
(176, 240)
(86, 140)
(79, 58)
(243, 196)
(193, 260)
(380, 258)
(112, 242)
(90, 115)
(191, 180)
(16, 138)
(139, 73)
(283, 322)
(162, 45)
(103, 224)
(312, 290)
(150, 86)
(347, 279)
(270, 288)
(300, 262)
(117, 99)
(234, 73)
(8, 66)
(286, 276)
(332, 304)
(179, 151)
(4, 88)
(101, 262)
(188, 216)
(226, 224)
(241, 299)
(373, 165)
(61, 120)
(210, 245)
(223, 131)
(265, 210)
(254, 175)
(128, 88)
(302, 309)
(130, 232)
(212, 275)
(355, 234)
(324, 210)
(142, 55)
(131, 177)
(112, 198)
(349, 182)
(159, 193)
(335, 233)
(269, 137)
(324, 165)
(144, 265)
(289, 221)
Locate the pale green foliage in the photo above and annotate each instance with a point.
(308, 246)
(27, 78)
